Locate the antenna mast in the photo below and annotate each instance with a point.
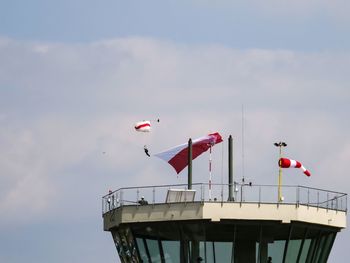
(242, 143)
(243, 179)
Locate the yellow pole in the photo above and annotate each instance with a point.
(280, 177)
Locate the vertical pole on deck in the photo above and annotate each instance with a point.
(189, 166)
(280, 178)
(230, 169)
(210, 173)
(280, 145)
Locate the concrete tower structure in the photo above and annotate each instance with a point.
(187, 227)
(235, 223)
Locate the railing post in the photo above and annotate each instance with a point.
(222, 193)
(113, 201)
(318, 199)
(235, 190)
(336, 203)
(121, 197)
(308, 196)
(298, 195)
(202, 193)
(109, 202)
(341, 204)
(327, 200)
(137, 196)
(104, 206)
(154, 195)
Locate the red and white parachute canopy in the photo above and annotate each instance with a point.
(143, 126)
(287, 163)
(177, 157)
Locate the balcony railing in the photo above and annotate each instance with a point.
(242, 193)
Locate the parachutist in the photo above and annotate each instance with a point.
(146, 151)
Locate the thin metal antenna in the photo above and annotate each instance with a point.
(222, 163)
(222, 171)
(210, 175)
(243, 144)
(243, 179)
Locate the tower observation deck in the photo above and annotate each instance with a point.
(172, 224)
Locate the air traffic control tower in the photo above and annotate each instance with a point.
(240, 223)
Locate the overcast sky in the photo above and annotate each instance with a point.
(76, 75)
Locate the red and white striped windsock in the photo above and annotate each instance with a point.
(287, 163)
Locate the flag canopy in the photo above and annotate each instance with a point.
(287, 163)
(177, 157)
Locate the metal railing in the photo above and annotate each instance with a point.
(242, 193)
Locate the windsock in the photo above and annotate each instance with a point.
(287, 163)
(143, 126)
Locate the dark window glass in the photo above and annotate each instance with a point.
(210, 252)
(227, 241)
(276, 250)
(293, 250)
(202, 250)
(223, 251)
(142, 249)
(171, 250)
(305, 250)
(311, 250)
(320, 247)
(326, 248)
(153, 249)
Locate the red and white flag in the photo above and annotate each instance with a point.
(143, 126)
(287, 163)
(177, 157)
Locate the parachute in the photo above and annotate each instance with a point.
(143, 126)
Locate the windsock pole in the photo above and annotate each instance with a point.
(280, 145)
(280, 178)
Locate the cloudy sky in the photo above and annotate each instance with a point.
(76, 75)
